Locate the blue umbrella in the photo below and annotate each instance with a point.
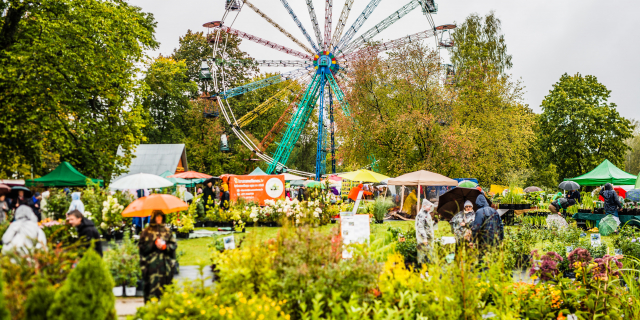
(633, 195)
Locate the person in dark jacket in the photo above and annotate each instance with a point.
(208, 194)
(575, 195)
(487, 229)
(36, 205)
(301, 194)
(561, 204)
(611, 201)
(225, 198)
(87, 232)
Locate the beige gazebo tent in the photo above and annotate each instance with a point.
(421, 178)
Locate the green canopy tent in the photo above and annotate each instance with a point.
(65, 175)
(606, 172)
(174, 180)
(638, 182)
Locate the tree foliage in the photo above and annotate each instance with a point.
(405, 116)
(479, 41)
(170, 91)
(68, 83)
(579, 128)
(632, 158)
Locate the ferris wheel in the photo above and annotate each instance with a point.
(318, 78)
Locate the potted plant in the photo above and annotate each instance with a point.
(123, 262)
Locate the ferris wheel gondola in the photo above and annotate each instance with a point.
(316, 83)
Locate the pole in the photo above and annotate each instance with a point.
(418, 203)
(401, 198)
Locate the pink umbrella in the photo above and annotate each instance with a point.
(190, 175)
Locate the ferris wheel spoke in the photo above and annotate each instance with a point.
(295, 19)
(341, 23)
(265, 63)
(266, 43)
(277, 26)
(393, 44)
(384, 24)
(297, 123)
(339, 94)
(328, 12)
(314, 21)
(277, 127)
(263, 83)
(267, 105)
(358, 24)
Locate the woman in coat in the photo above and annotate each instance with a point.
(424, 232)
(611, 200)
(157, 256)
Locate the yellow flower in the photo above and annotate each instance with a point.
(243, 300)
(239, 294)
(261, 316)
(203, 311)
(222, 312)
(534, 277)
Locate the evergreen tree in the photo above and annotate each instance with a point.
(87, 292)
(39, 300)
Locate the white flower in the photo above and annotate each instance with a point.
(105, 204)
(103, 226)
(318, 210)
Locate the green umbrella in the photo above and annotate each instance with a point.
(607, 225)
(297, 183)
(467, 184)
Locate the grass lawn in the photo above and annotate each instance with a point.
(198, 249)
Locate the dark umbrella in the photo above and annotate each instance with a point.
(532, 189)
(212, 180)
(569, 185)
(14, 191)
(4, 189)
(452, 201)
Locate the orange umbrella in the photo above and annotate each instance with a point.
(145, 205)
(190, 175)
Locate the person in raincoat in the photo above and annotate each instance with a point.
(409, 202)
(424, 232)
(561, 204)
(487, 229)
(23, 233)
(157, 247)
(611, 200)
(76, 203)
(462, 222)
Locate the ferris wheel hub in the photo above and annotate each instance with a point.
(325, 60)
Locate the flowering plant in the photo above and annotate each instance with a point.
(548, 269)
(111, 215)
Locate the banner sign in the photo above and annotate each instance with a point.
(256, 188)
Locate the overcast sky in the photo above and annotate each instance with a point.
(546, 38)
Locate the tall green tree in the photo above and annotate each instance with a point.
(194, 47)
(170, 92)
(479, 40)
(68, 83)
(579, 128)
(632, 158)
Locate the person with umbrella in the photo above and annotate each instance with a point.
(487, 229)
(462, 222)
(157, 247)
(424, 231)
(20, 198)
(611, 201)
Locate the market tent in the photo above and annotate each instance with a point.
(174, 180)
(257, 172)
(606, 172)
(638, 182)
(363, 176)
(423, 178)
(290, 177)
(65, 175)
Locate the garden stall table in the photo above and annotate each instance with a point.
(597, 217)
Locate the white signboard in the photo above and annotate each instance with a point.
(595, 240)
(354, 229)
(229, 242)
(448, 240)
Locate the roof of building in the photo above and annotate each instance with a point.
(157, 158)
